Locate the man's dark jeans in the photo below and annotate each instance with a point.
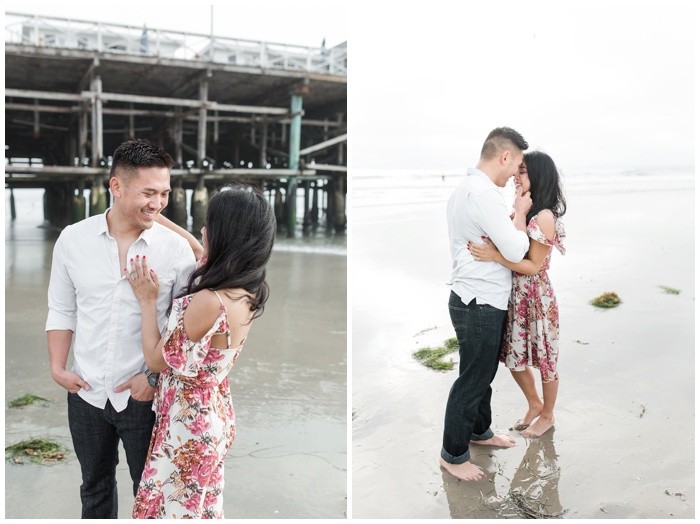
(479, 330)
(96, 433)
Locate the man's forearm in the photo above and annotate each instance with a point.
(519, 222)
(59, 341)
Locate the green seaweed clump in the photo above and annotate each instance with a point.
(607, 300)
(432, 357)
(39, 451)
(26, 400)
(670, 290)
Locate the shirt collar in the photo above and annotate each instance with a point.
(102, 228)
(480, 173)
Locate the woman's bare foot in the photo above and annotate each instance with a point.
(543, 424)
(463, 471)
(502, 441)
(533, 411)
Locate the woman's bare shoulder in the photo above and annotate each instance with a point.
(546, 221)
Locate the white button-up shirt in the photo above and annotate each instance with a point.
(475, 209)
(89, 295)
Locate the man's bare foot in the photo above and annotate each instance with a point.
(539, 428)
(502, 441)
(463, 471)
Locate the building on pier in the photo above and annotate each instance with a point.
(226, 109)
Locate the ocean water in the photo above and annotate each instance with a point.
(29, 208)
(386, 188)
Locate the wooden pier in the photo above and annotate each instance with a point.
(225, 109)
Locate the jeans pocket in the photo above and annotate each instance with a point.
(141, 402)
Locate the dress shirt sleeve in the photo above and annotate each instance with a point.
(62, 300)
(493, 218)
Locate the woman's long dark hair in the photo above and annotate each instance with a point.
(240, 228)
(545, 184)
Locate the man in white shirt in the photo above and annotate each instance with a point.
(479, 297)
(110, 390)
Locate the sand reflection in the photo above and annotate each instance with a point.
(533, 491)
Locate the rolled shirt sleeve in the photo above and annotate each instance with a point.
(61, 295)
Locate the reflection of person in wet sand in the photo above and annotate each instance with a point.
(533, 491)
(532, 329)
(535, 485)
(479, 297)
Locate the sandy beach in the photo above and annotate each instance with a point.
(289, 389)
(624, 441)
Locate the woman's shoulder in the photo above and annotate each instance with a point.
(546, 221)
(204, 303)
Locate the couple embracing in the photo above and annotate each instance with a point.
(502, 304)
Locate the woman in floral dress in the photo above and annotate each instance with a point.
(208, 323)
(532, 326)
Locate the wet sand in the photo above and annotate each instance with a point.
(625, 414)
(289, 390)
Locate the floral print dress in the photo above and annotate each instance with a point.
(195, 424)
(532, 326)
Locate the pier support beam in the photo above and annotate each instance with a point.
(97, 141)
(202, 127)
(314, 203)
(279, 204)
(98, 197)
(307, 202)
(339, 220)
(178, 205)
(294, 148)
(58, 204)
(13, 211)
(199, 205)
(263, 146)
(79, 204)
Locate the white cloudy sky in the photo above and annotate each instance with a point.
(595, 84)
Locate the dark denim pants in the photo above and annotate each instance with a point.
(96, 433)
(479, 330)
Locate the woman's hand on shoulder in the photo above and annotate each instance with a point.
(546, 221)
(201, 312)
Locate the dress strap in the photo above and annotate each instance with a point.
(228, 331)
(217, 296)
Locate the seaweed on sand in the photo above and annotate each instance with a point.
(433, 357)
(521, 504)
(607, 300)
(39, 451)
(26, 400)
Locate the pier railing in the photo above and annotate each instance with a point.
(48, 31)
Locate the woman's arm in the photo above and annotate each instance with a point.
(530, 265)
(191, 240)
(535, 257)
(145, 285)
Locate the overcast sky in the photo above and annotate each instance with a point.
(595, 84)
(604, 84)
(300, 22)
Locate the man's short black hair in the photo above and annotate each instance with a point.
(500, 139)
(131, 155)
